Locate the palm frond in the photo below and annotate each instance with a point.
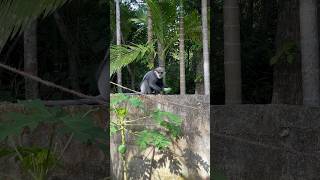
(164, 15)
(192, 24)
(122, 55)
(15, 15)
(157, 19)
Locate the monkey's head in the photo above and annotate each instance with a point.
(159, 71)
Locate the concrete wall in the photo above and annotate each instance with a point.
(191, 155)
(79, 162)
(266, 142)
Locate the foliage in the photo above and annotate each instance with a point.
(34, 160)
(167, 125)
(287, 53)
(38, 161)
(122, 55)
(15, 15)
(165, 31)
(86, 22)
(80, 125)
(148, 138)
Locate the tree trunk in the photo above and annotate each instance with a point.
(199, 89)
(309, 52)
(131, 71)
(30, 60)
(232, 59)
(205, 43)
(150, 33)
(181, 53)
(161, 59)
(149, 25)
(267, 16)
(73, 51)
(118, 39)
(287, 88)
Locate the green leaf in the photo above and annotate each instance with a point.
(6, 152)
(147, 138)
(118, 98)
(122, 55)
(16, 15)
(83, 128)
(113, 128)
(121, 112)
(15, 124)
(174, 130)
(160, 116)
(135, 102)
(286, 53)
(35, 157)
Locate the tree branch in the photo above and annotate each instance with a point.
(50, 84)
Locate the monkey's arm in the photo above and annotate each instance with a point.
(154, 86)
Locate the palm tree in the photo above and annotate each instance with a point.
(287, 82)
(149, 31)
(181, 51)
(163, 21)
(205, 47)
(309, 52)
(232, 60)
(164, 30)
(31, 60)
(118, 39)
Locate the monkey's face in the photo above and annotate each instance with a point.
(159, 73)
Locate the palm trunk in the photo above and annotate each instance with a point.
(232, 59)
(150, 33)
(149, 25)
(309, 52)
(181, 54)
(73, 51)
(205, 41)
(131, 74)
(161, 57)
(118, 39)
(199, 89)
(31, 61)
(287, 87)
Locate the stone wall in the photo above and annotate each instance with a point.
(266, 142)
(191, 154)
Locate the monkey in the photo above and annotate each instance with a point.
(152, 82)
